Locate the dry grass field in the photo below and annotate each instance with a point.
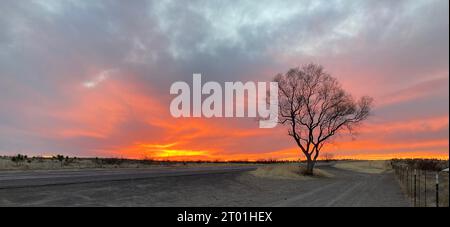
(287, 171)
(37, 163)
(364, 166)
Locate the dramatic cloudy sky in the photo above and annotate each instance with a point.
(92, 78)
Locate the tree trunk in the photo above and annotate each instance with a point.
(309, 166)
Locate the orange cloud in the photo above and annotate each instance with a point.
(429, 124)
(122, 119)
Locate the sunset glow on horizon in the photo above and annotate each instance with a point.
(92, 79)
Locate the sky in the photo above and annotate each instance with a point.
(92, 78)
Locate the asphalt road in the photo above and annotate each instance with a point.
(21, 179)
(206, 186)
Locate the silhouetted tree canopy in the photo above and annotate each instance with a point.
(315, 107)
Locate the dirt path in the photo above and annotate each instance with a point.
(347, 188)
(350, 189)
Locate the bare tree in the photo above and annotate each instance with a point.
(315, 108)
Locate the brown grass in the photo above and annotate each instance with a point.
(293, 172)
(101, 163)
(374, 167)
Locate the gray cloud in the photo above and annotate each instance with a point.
(49, 47)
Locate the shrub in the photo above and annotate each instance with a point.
(422, 164)
(60, 158)
(19, 158)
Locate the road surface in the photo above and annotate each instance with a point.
(350, 189)
(206, 186)
(20, 179)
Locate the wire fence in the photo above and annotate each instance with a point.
(424, 188)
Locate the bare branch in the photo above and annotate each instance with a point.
(316, 108)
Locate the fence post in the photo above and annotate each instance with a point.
(412, 186)
(418, 182)
(401, 175)
(437, 189)
(425, 182)
(415, 190)
(407, 180)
